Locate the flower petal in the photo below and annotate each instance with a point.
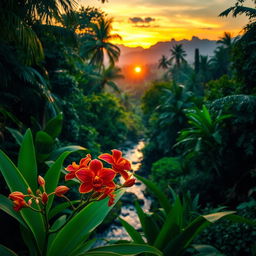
(84, 161)
(85, 188)
(117, 154)
(85, 175)
(110, 184)
(107, 158)
(95, 165)
(124, 174)
(107, 174)
(70, 176)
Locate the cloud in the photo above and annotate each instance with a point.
(146, 20)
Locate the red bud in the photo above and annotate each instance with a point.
(44, 198)
(41, 181)
(61, 190)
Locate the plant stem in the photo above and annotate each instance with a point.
(47, 233)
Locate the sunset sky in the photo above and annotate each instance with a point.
(146, 22)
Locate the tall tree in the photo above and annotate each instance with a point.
(163, 62)
(95, 45)
(178, 55)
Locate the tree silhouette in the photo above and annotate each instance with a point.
(163, 62)
(178, 55)
(95, 45)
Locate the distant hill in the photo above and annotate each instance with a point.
(138, 55)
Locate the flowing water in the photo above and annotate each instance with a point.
(128, 212)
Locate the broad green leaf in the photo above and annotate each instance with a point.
(71, 148)
(54, 126)
(52, 177)
(16, 182)
(129, 249)
(163, 200)
(58, 223)
(134, 234)
(6, 251)
(60, 207)
(82, 224)
(44, 143)
(84, 247)
(7, 206)
(177, 246)
(172, 225)
(27, 160)
(29, 240)
(16, 135)
(103, 253)
(145, 224)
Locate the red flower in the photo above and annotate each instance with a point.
(73, 168)
(61, 190)
(129, 182)
(108, 192)
(95, 177)
(19, 204)
(18, 200)
(119, 164)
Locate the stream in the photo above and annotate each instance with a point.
(128, 211)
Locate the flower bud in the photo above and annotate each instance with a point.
(29, 190)
(41, 181)
(30, 201)
(61, 190)
(16, 195)
(37, 201)
(44, 198)
(129, 183)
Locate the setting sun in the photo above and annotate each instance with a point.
(137, 69)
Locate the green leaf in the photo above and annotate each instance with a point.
(6, 251)
(27, 160)
(54, 126)
(145, 224)
(60, 207)
(16, 182)
(84, 247)
(103, 253)
(16, 135)
(129, 249)
(82, 224)
(177, 246)
(134, 234)
(172, 225)
(7, 206)
(52, 177)
(44, 143)
(163, 200)
(29, 240)
(71, 148)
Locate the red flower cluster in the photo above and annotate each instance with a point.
(94, 177)
(18, 198)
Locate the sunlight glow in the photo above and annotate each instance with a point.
(137, 69)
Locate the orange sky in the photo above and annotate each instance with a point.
(146, 22)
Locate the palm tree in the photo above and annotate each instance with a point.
(178, 55)
(226, 40)
(163, 62)
(96, 44)
(107, 77)
(205, 68)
